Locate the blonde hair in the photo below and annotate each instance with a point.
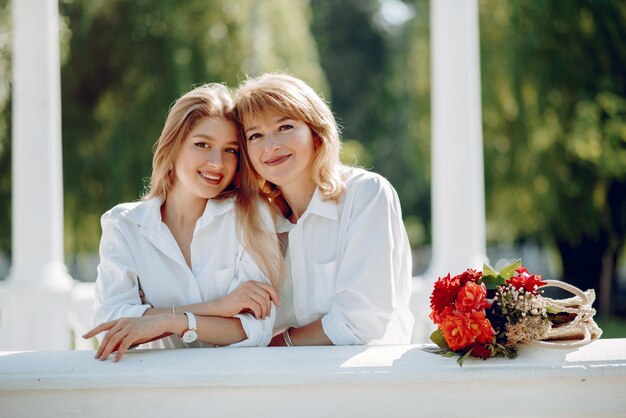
(214, 100)
(295, 99)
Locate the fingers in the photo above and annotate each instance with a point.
(269, 289)
(254, 298)
(121, 350)
(111, 340)
(100, 328)
(264, 290)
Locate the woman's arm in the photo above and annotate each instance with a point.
(311, 334)
(250, 297)
(123, 333)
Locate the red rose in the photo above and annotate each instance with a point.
(526, 281)
(457, 332)
(471, 297)
(438, 317)
(469, 275)
(482, 329)
(443, 294)
(480, 351)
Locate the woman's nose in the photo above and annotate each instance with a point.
(214, 159)
(272, 143)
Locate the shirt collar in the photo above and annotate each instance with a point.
(317, 206)
(147, 213)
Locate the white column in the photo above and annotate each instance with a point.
(457, 188)
(34, 306)
(458, 196)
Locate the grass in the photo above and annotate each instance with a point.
(612, 326)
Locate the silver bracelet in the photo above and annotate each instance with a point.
(287, 338)
(174, 310)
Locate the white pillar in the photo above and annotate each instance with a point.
(35, 300)
(458, 195)
(457, 188)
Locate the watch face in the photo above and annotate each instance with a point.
(190, 336)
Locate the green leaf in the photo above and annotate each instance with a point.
(488, 271)
(464, 357)
(491, 282)
(437, 338)
(509, 271)
(446, 352)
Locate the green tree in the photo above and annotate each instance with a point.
(555, 130)
(5, 125)
(378, 74)
(126, 61)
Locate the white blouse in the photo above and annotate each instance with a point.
(138, 250)
(349, 264)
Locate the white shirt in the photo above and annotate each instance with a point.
(350, 265)
(138, 249)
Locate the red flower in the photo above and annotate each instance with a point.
(471, 297)
(443, 294)
(480, 351)
(438, 317)
(525, 280)
(469, 275)
(457, 332)
(482, 329)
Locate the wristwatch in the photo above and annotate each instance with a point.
(191, 334)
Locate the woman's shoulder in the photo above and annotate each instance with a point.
(366, 184)
(136, 212)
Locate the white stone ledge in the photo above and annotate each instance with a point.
(315, 381)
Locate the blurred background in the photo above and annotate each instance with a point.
(553, 98)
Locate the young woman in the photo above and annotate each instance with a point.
(348, 257)
(181, 248)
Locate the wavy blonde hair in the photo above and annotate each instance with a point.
(214, 100)
(295, 99)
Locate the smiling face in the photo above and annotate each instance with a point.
(207, 159)
(281, 149)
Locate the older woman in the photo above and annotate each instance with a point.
(348, 257)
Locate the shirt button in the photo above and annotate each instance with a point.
(298, 272)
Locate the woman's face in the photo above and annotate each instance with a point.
(207, 160)
(281, 149)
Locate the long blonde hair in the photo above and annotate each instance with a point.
(291, 97)
(211, 101)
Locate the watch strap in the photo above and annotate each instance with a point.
(191, 320)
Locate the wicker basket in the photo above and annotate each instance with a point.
(581, 329)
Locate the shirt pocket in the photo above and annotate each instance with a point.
(224, 278)
(250, 271)
(324, 286)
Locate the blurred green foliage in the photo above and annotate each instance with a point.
(553, 85)
(554, 96)
(127, 61)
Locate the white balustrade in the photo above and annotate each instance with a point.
(355, 381)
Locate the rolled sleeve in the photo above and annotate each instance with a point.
(258, 331)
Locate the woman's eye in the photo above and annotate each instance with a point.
(283, 128)
(254, 136)
(201, 145)
(233, 151)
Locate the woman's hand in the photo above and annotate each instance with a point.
(126, 332)
(252, 296)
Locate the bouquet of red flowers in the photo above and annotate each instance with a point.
(486, 314)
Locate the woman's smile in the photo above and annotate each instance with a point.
(274, 161)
